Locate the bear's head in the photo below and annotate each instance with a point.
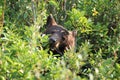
(60, 39)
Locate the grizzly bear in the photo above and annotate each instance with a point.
(60, 39)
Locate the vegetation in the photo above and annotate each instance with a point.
(22, 52)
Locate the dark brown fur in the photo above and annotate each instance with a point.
(60, 39)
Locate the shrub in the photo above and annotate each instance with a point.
(24, 52)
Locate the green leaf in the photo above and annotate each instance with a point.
(9, 59)
(53, 3)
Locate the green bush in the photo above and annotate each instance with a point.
(24, 52)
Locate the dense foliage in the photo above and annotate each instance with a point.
(24, 52)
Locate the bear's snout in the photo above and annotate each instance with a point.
(52, 40)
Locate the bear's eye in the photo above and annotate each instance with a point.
(53, 32)
(63, 38)
(64, 33)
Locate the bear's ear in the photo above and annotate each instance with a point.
(50, 21)
(74, 33)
